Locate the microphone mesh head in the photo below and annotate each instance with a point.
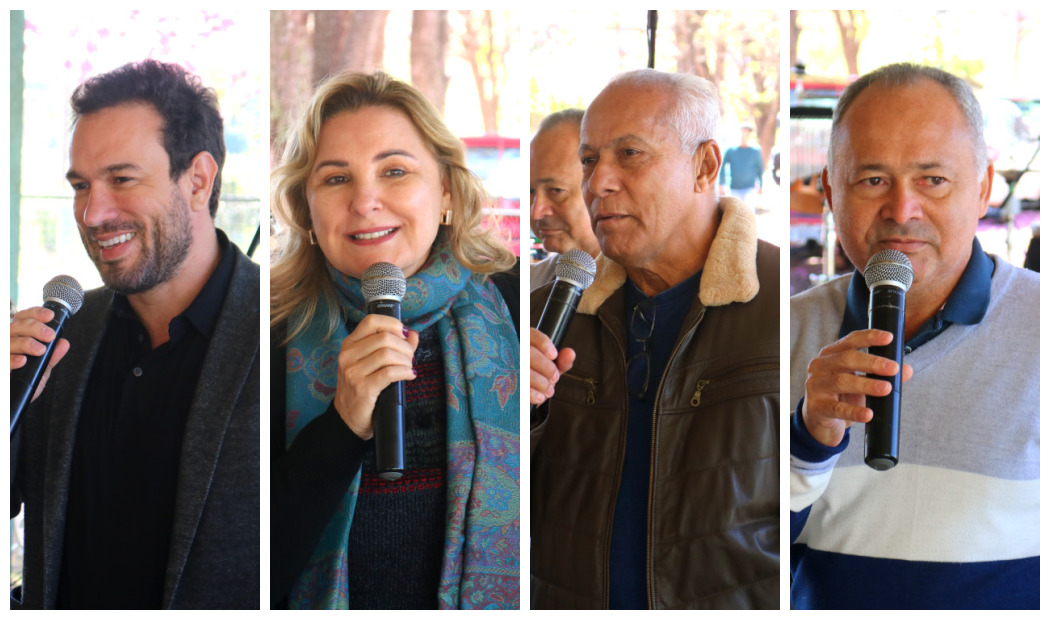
(65, 290)
(889, 266)
(383, 281)
(576, 266)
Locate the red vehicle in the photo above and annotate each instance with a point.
(497, 162)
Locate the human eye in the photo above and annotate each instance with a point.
(79, 186)
(335, 180)
(873, 182)
(936, 180)
(395, 172)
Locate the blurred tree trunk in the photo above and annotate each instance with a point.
(853, 27)
(486, 54)
(693, 38)
(289, 81)
(347, 40)
(429, 49)
(796, 30)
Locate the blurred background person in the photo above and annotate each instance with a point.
(370, 173)
(743, 165)
(558, 214)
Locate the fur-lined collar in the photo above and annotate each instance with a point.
(730, 273)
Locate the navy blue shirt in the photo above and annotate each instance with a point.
(630, 531)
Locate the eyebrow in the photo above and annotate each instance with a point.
(111, 169)
(617, 142)
(340, 163)
(926, 165)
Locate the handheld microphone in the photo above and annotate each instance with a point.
(63, 296)
(888, 275)
(573, 273)
(383, 286)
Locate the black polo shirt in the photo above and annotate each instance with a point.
(126, 456)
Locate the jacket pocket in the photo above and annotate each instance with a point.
(746, 380)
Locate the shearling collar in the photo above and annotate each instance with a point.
(730, 273)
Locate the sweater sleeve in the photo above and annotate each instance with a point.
(812, 464)
(307, 482)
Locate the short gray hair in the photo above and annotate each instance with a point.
(909, 74)
(694, 114)
(571, 116)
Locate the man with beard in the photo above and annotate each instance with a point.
(138, 461)
(559, 215)
(955, 523)
(655, 441)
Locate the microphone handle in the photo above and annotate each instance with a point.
(882, 434)
(24, 380)
(558, 313)
(388, 418)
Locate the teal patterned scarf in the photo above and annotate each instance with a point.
(480, 350)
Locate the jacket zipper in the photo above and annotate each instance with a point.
(702, 383)
(652, 463)
(592, 385)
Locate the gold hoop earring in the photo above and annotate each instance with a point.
(446, 217)
(313, 238)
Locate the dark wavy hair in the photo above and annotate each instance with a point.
(192, 122)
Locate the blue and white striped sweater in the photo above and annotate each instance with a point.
(956, 523)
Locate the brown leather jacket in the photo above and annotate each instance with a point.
(714, 526)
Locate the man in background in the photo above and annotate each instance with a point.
(558, 216)
(743, 165)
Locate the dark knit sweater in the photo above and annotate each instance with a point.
(398, 529)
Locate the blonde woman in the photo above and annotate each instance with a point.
(370, 173)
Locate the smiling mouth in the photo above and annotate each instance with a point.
(373, 235)
(108, 243)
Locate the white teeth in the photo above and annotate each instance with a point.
(115, 240)
(373, 235)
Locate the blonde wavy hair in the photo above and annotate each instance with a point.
(299, 283)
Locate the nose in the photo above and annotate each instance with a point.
(902, 205)
(364, 197)
(600, 180)
(99, 207)
(541, 205)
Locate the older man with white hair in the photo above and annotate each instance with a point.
(655, 438)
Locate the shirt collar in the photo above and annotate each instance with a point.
(203, 313)
(966, 304)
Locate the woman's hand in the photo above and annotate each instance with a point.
(377, 353)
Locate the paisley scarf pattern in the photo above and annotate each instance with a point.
(480, 566)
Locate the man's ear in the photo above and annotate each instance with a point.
(824, 178)
(201, 173)
(706, 161)
(986, 190)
